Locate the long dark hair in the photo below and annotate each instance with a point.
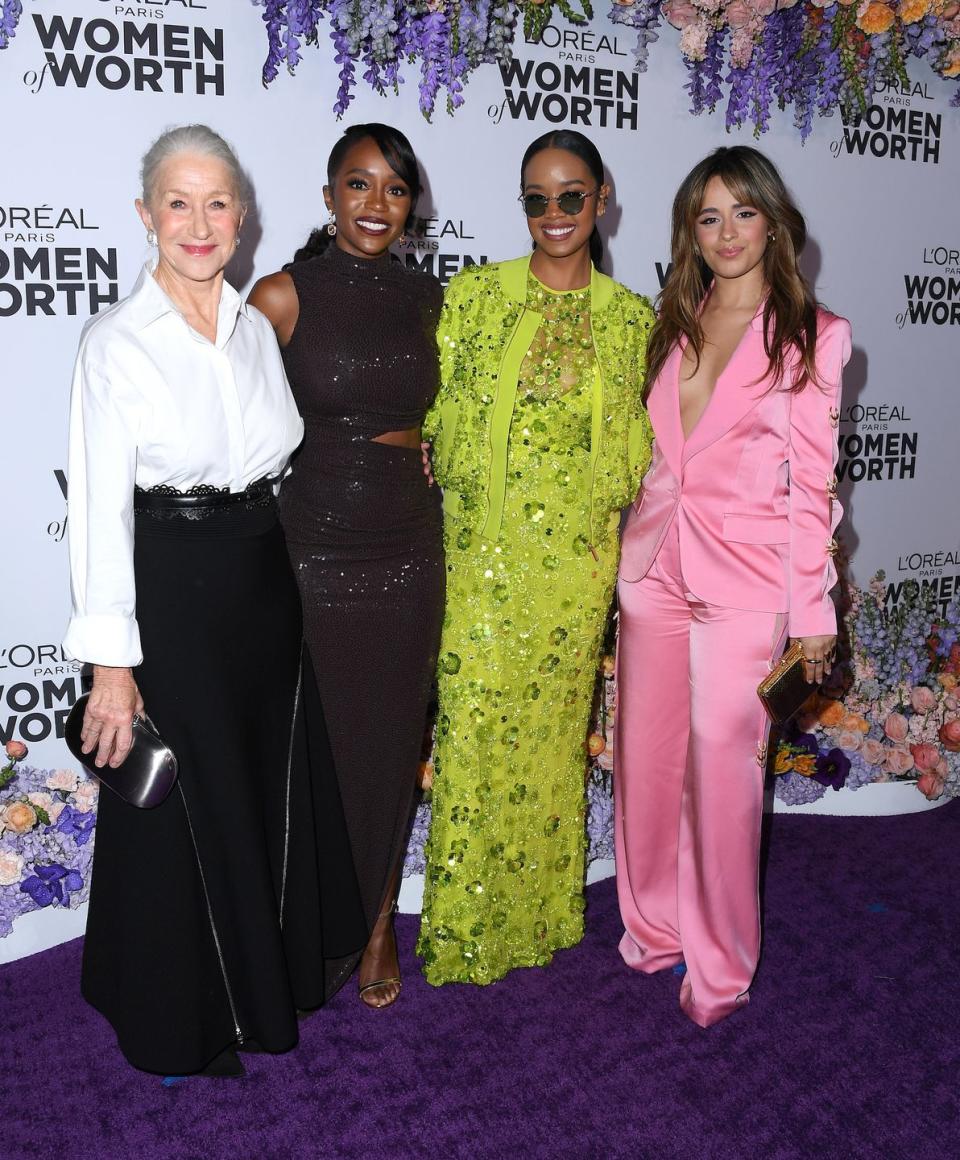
(790, 310)
(572, 142)
(398, 154)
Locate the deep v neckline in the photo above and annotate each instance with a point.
(686, 437)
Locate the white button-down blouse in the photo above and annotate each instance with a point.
(154, 402)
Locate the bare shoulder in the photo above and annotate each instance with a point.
(275, 296)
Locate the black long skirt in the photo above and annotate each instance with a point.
(365, 532)
(216, 916)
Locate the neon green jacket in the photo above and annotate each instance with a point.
(485, 332)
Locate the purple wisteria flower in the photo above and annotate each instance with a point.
(9, 18)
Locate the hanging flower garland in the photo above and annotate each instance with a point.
(812, 55)
(808, 55)
(448, 38)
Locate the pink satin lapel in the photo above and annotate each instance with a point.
(737, 391)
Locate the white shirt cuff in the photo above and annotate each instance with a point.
(104, 640)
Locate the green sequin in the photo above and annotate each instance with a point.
(525, 619)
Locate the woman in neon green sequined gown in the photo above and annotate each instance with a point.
(539, 440)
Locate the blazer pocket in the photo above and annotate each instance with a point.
(756, 529)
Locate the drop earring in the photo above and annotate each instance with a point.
(772, 237)
(151, 238)
(332, 225)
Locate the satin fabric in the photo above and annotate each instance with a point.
(753, 486)
(690, 737)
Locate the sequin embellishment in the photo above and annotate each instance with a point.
(518, 661)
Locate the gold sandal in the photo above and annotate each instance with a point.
(362, 990)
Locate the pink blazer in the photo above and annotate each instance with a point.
(753, 488)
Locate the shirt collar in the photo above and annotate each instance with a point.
(148, 302)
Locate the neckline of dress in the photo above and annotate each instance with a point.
(556, 293)
(339, 259)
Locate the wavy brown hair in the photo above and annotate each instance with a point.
(790, 309)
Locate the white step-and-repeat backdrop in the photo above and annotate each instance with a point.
(86, 85)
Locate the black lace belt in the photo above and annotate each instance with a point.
(202, 500)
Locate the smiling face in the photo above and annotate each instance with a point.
(195, 212)
(732, 236)
(371, 201)
(550, 173)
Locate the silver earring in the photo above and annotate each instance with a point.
(772, 237)
(236, 240)
(151, 238)
(332, 225)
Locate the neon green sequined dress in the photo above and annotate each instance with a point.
(518, 663)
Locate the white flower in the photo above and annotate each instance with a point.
(11, 867)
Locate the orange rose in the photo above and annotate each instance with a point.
(425, 775)
(947, 681)
(595, 745)
(854, 723)
(831, 713)
(913, 10)
(18, 817)
(16, 750)
(950, 734)
(877, 18)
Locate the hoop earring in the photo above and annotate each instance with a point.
(332, 225)
(151, 238)
(771, 237)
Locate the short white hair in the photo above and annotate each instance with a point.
(199, 139)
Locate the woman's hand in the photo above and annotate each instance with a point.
(427, 465)
(818, 654)
(108, 720)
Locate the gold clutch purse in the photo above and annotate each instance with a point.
(786, 688)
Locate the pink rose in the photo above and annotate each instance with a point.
(896, 726)
(738, 13)
(680, 13)
(18, 817)
(923, 699)
(930, 784)
(925, 757)
(899, 760)
(63, 779)
(16, 750)
(850, 740)
(11, 867)
(950, 734)
(764, 7)
(874, 752)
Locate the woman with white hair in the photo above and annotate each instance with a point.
(220, 913)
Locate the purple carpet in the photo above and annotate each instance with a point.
(849, 1048)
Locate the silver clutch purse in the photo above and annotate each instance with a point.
(149, 770)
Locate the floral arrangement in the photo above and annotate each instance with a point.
(813, 55)
(47, 821)
(891, 711)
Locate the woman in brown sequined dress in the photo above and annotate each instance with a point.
(363, 526)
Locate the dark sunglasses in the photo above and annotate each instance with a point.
(535, 204)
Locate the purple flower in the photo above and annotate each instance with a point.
(793, 789)
(51, 884)
(78, 825)
(832, 768)
(9, 17)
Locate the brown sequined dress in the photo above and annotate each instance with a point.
(364, 532)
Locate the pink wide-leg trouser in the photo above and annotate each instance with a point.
(690, 735)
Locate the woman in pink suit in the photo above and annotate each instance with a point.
(727, 550)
